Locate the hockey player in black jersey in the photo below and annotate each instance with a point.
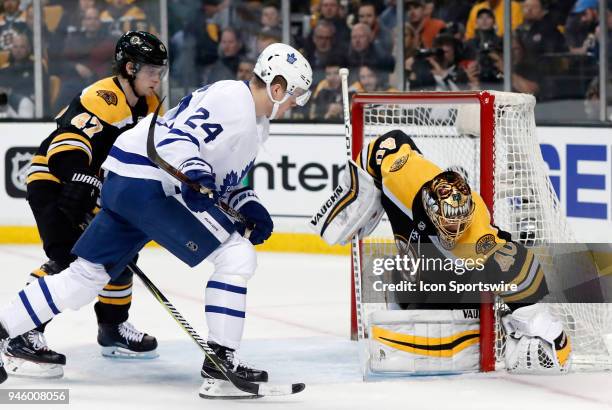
(63, 185)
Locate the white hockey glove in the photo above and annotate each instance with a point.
(536, 342)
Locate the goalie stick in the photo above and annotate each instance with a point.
(165, 166)
(258, 390)
(355, 247)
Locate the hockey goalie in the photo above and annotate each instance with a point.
(429, 208)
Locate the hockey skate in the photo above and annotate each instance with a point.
(126, 342)
(29, 356)
(216, 386)
(3, 339)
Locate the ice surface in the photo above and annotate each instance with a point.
(297, 328)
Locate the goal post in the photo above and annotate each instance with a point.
(490, 135)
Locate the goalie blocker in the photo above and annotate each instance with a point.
(430, 205)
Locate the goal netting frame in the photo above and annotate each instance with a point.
(499, 132)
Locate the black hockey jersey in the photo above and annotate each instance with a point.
(86, 131)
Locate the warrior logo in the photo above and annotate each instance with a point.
(109, 97)
(17, 162)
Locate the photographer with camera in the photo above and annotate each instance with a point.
(481, 47)
(442, 68)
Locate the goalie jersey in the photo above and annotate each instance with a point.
(400, 171)
(86, 130)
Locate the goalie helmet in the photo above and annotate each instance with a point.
(139, 47)
(280, 59)
(447, 200)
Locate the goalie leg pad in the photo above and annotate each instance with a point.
(536, 341)
(424, 342)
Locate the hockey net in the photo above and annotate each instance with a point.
(491, 137)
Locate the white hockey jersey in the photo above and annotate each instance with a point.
(214, 128)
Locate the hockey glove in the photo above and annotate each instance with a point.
(196, 201)
(263, 226)
(78, 196)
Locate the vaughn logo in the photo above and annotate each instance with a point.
(327, 206)
(17, 164)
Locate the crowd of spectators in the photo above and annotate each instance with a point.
(448, 45)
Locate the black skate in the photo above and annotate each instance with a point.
(3, 339)
(124, 341)
(216, 386)
(29, 356)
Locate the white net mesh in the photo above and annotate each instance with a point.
(447, 132)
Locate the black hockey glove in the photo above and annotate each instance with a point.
(257, 214)
(79, 195)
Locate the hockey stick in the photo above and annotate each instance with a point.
(165, 166)
(259, 390)
(355, 248)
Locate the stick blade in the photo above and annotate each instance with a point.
(281, 390)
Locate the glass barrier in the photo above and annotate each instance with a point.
(554, 50)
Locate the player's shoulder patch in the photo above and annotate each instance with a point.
(106, 100)
(388, 143)
(109, 97)
(399, 163)
(485, 243)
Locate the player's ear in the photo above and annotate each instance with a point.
(277, 91)
(130, 69)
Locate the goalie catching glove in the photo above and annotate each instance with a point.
(536, 341)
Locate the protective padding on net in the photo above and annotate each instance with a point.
(525, 204)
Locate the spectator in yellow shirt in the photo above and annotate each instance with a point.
(497, 6)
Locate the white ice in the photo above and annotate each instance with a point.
(297, 328)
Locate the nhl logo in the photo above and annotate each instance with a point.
(192, 246)
(17, 166)
(421, 226)
(19, 172)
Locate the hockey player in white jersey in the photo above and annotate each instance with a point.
(212, 136)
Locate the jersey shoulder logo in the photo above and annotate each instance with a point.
(388, 143)
(398, 163)
(485, 244)
(109, 97)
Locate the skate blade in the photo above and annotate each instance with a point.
(24, 368)
(216, 389)
(116, 352)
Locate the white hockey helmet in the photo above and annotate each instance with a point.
(284, 60)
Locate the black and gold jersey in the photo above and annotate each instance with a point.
(400, 170)
(86, 131)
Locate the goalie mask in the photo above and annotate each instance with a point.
(447, 200)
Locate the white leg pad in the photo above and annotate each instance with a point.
(235, 262)
(42, 299)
